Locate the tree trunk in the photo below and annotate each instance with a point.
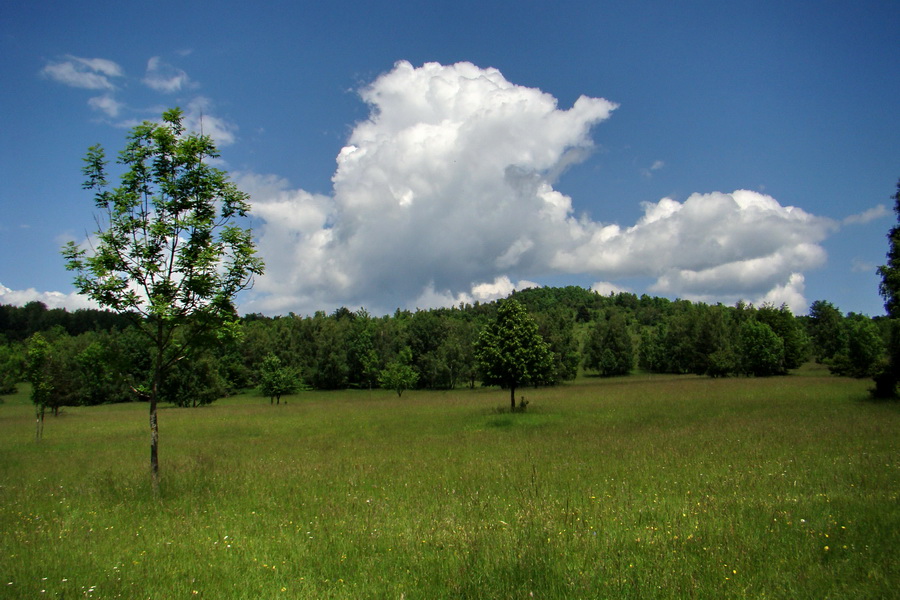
(154, 427)
(512, 398)
(154, 446)
(39, 424)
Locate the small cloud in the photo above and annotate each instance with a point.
(605, 288)
(859, 265)
(197, 117)
(106, 104)
(165, 78)
(501, 287)
(87, 73)
(656, 166)
(867, 216)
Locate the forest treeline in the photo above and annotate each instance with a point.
(93, 357)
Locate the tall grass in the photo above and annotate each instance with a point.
(641, 487)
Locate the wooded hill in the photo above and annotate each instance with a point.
(98, 357)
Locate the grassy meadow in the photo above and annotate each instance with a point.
(637, 487)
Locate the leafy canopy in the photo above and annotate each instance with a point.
(511, 351)
(276, 380)
(398, 375)
(170, 248)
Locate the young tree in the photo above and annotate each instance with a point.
(886, 381)
(511, 352)
(37, 358)
(399, 374)
(169, 250)
(276, 380)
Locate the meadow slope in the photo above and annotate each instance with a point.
(637, 487)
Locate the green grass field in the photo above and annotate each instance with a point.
(640, 487)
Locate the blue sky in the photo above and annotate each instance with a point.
(415, 154)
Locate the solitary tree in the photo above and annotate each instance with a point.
(511, 351)
(886, 381)
(275, 380)
(41, 387)
(168, 250)
(399, 374)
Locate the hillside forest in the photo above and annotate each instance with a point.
(90, 357)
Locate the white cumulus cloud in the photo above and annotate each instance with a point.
(106, 104)
(876, 212)
(163, 77)
(70, 301)
(443, 188)
(198, 117)
(446, 193)
(606, 288)
(88, 73)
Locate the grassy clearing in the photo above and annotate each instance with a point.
(643, 487)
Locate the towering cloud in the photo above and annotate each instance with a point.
(445, 193)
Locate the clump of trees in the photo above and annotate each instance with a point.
(580, 330)
(575, 329)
